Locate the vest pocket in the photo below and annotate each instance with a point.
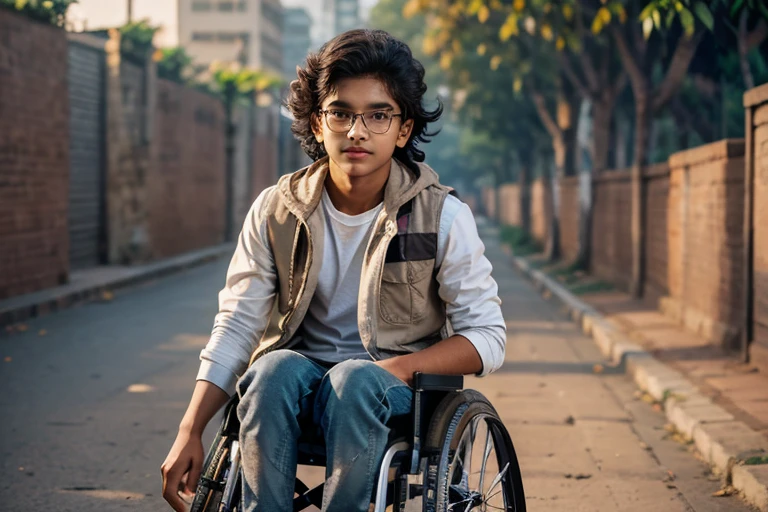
(405, 291)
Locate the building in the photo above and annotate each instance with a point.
(346, 15)
(245, 31)
(297, 39)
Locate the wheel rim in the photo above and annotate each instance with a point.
(479, 478)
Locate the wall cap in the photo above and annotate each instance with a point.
(86, 39)
(720, 150)
(756, 96)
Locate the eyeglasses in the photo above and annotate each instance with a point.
(375, 121)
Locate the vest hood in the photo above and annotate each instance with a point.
(302, 190)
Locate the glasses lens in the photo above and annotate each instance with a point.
(338, 120)
(378, 122)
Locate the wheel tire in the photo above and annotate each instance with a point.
(207, 498)
(455, 413)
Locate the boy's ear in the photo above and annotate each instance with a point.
(405, 133)
(317, 128)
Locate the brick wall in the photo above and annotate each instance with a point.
(569, 215)
(34, 156)
(538, 211)
(611, 235)
(185, 186)
(509, 206)
(705, 234)
(656, 248)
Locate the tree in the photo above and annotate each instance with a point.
(48, 11)
(234, 83)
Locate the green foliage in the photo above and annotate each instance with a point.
(174, 64)
(522, 243)
(234, 82)
(48, 11)
(136, 39)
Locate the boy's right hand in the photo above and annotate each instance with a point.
(181, 469)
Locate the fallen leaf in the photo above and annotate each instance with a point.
(568, 475)
(670, 427)
(644, 446)
(7, 359)
(669, 477)
(21, 327)
(569, 420)
(107, 295)
(546, 295)
(648, 398)
(42, 332)
(671, 486)
(582, 476)
(725, 491)
(598, 368)
(657, 407)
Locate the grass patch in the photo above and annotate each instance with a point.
(522, 243)
(591, 287)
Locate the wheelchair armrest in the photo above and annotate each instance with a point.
(428, 390)
(431, 382)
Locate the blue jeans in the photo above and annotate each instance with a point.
(349, 406)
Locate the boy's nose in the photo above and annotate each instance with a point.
(358, 129)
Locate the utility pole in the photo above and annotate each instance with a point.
(130, 10)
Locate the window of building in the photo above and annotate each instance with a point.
(202, 36)
(242, 6)
(201, 6)
(226, 6)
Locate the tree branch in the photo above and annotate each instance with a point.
(593, 83)
(619, 84)
(569, 72)
(628, 60)
(758, 34)
(545, 116)
(677, 70)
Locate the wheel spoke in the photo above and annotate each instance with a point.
(487, 451)
(498, 478)
(467, 465)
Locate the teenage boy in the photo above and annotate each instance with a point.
(349, 276)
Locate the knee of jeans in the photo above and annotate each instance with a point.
(271, 371)
(353, 378)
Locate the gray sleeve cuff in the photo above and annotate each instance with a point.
(218, 375)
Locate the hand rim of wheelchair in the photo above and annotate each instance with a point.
(453, 424)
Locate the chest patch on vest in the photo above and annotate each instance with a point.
(406, 246)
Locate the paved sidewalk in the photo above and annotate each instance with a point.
(99, 283)
(714, 403)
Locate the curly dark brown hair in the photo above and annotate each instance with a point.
(357, 54)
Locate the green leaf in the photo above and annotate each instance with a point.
(736, 7)
(670, 17)
(704, 15)
(647, 27)
(656, 15)
(688, 21)
(646, 13)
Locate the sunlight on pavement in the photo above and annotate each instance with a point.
(140, 388)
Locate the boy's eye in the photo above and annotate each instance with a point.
(379, 116)
(340, 115)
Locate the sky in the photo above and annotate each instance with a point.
(110, 13)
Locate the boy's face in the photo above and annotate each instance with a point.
(358, 151)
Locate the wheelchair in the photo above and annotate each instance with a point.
(440, 456)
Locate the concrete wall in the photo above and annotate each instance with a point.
(34, 156)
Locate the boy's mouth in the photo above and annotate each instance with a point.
(356, 150)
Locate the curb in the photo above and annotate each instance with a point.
(18, 309)
(723, 442)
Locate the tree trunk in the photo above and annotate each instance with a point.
(642, 128)
(524, 184)
(552, 247)
(746, 73)
(229, 164)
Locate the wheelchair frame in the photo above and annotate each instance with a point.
(217, 491)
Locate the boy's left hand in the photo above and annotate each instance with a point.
(395, 367)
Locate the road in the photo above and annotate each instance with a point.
(92, 397)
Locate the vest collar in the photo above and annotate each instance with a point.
(302, 190)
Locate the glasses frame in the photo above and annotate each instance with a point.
(361, 116)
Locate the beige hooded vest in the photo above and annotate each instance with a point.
(399, 310)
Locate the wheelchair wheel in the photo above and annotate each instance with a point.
(472, 466)
(218, 489)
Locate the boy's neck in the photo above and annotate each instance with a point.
(354, 196)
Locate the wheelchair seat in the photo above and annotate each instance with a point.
(430, 450)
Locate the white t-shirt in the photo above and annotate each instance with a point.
(329, 331)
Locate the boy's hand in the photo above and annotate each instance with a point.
(181, 470)
(395, 367)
